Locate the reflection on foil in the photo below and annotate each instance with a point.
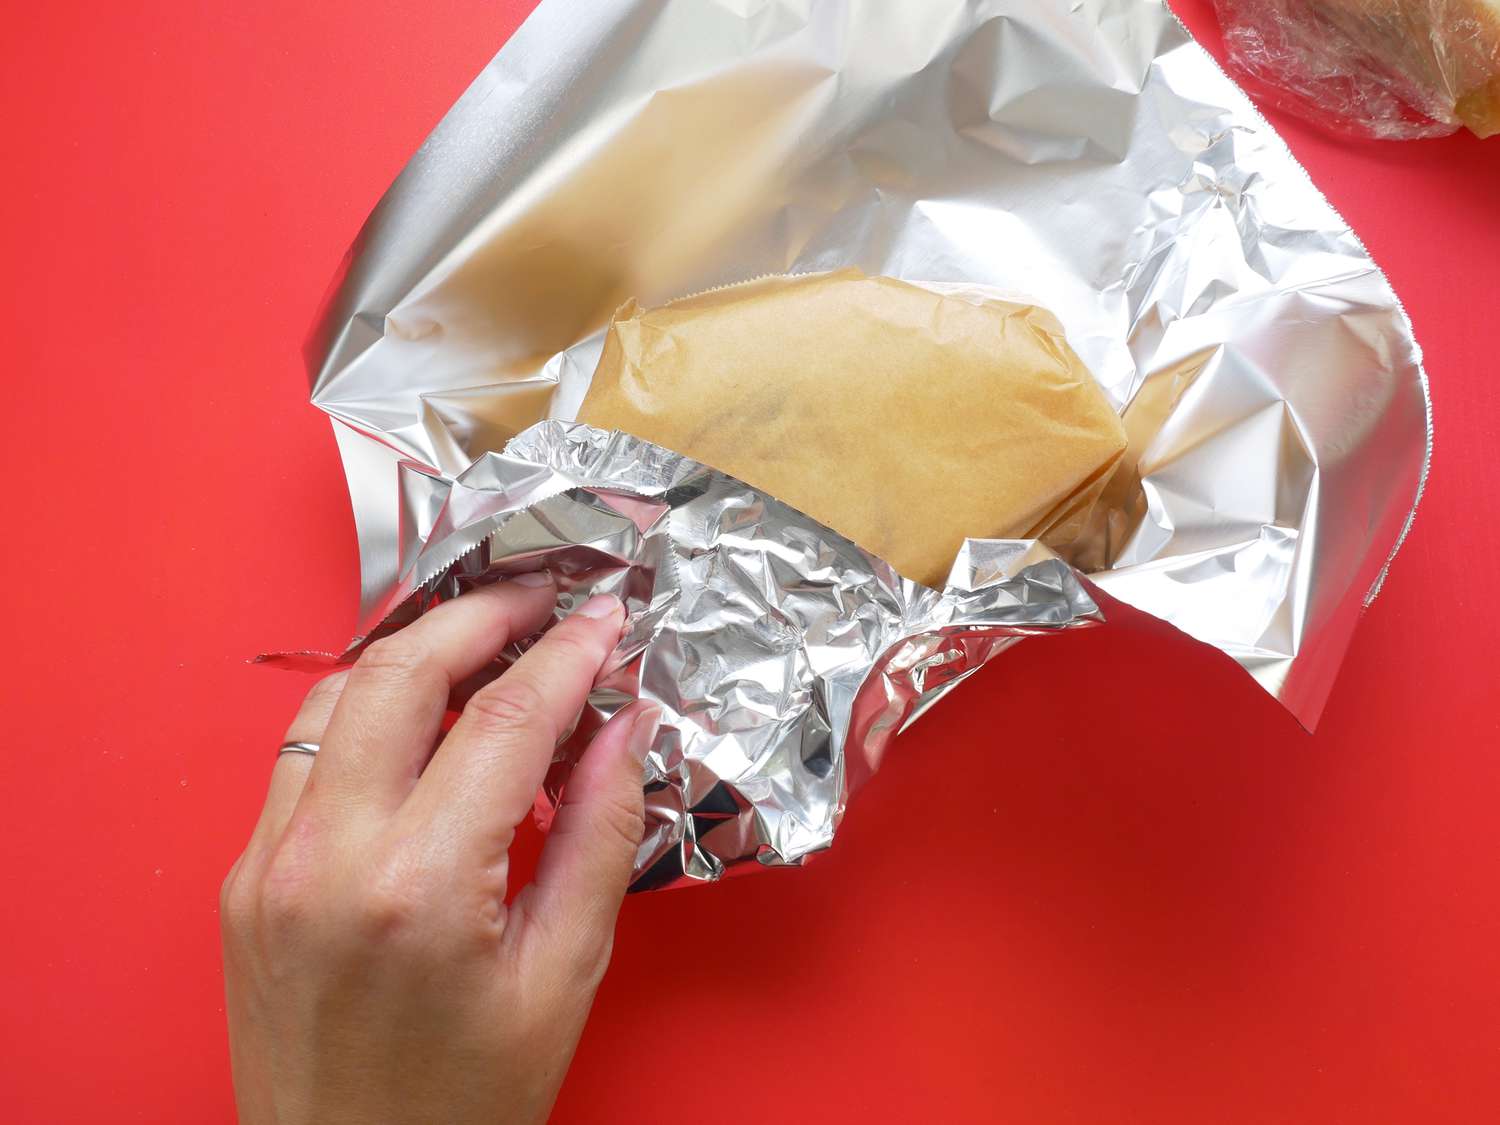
(1083, 155)
(784, 658)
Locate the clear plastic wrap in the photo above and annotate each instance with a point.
(1389, 69)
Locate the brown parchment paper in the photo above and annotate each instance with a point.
(906, 419)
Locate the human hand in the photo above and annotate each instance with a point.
(373, 970)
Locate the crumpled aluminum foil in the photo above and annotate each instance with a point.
(783, 657)
(1084, 155)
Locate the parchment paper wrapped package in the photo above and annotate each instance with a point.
(1081, 157)
(836, 393)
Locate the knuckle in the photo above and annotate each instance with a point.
(324, 693)
(392, 900)
(284, 900)
(589, 949)
(397, 657)
(597, 964)
(236, 902)
(510, 703)
(618, 824)
(575, 645)
(490, 916)
(480, 922)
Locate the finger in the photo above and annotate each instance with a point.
(391, 710)
(590, 852)
(289, 774)
(484, 776)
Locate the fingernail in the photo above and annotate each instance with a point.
(533, 578)
(643, 732)
(600, 606)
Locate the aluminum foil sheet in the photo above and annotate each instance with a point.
(1083, 155)
(783, 657)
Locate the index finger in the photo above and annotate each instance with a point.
(485, 774)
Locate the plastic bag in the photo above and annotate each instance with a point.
(1390, 69)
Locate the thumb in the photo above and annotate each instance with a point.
(590, 851)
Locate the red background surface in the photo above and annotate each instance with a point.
(1107, 882)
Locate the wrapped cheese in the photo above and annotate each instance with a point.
(825, 390)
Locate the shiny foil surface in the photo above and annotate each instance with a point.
(783, 657)
(1082, 155)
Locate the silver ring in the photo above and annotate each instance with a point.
(298, 748)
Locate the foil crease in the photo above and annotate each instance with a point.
(1082, 155)
(782, 656)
